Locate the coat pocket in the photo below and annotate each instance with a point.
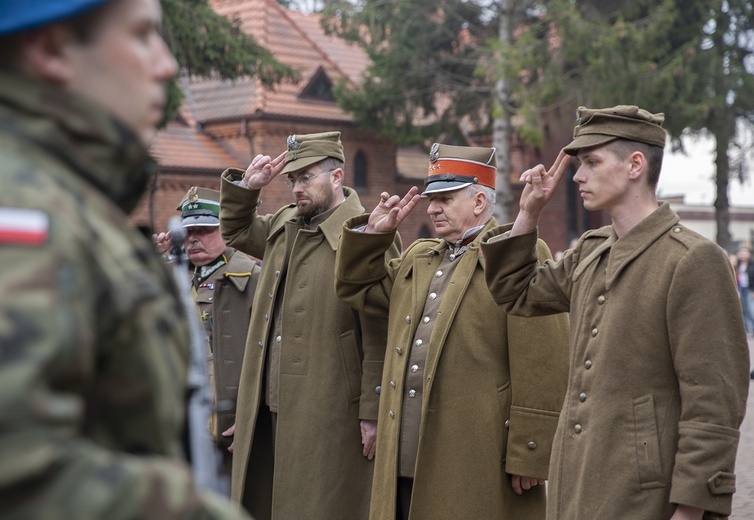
(648, 460)
(349, 354)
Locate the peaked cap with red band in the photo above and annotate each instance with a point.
(455, 167)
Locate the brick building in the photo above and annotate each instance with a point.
(224, 124)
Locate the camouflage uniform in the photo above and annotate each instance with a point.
(93, 348)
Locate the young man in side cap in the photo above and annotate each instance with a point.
(307, 401)
(93, 338)
(659, 380)
(470, 398)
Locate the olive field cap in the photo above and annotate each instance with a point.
(308, 149)
(455, 167)
(20, 15)
(200, 207)
(595, 127)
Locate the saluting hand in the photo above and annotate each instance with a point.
(262, 170)
(539, 189)
(162, 242)
(391, 211)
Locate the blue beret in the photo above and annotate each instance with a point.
(20, 15)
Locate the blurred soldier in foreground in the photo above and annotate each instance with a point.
(223, 282)
(307, 401)
(470, 397)
(93, 340)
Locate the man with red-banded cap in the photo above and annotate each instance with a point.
(469, 397)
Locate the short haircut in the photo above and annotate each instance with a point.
(331, 163)
(489, 192)
(622, 148)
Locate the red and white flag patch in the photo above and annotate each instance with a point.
(21, 226)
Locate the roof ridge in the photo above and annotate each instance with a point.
(326, 57)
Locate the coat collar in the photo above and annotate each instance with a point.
(332, 227)
(625, 249)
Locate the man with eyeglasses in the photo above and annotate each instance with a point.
(307, 404)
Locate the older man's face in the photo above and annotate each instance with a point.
(204, 244)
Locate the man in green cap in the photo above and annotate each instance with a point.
(659, 359)
(93, 338)
(470, 398)
(224, 281)
(307, 401)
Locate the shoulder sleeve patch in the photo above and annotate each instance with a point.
(24, 227)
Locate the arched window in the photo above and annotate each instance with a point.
(360, 170)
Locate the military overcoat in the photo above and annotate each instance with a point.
(225, 301)
(493, 386)
(331, 364)
(659, 366)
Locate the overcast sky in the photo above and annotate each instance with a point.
(693, 175)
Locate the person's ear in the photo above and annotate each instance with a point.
(43, 54)
(637, 165)
(337, 177)
(480, 203)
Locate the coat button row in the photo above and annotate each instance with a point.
(418, 343)
(432, 296)
(438, 274)
(412, 393)
(425, 319)
(414, 368)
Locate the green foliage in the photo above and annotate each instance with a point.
(207, 44)
(423, 57)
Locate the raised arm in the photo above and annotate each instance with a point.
(539, 189)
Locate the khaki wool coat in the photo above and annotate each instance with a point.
(330, 366)
(492, 390)
(658, 372)
(225, 301)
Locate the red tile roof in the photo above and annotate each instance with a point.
(181, 147)
(295, 39)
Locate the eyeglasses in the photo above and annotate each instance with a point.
(303, 180)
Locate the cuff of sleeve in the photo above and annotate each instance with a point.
(370, 390)
(530, 442)
(703, 475)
